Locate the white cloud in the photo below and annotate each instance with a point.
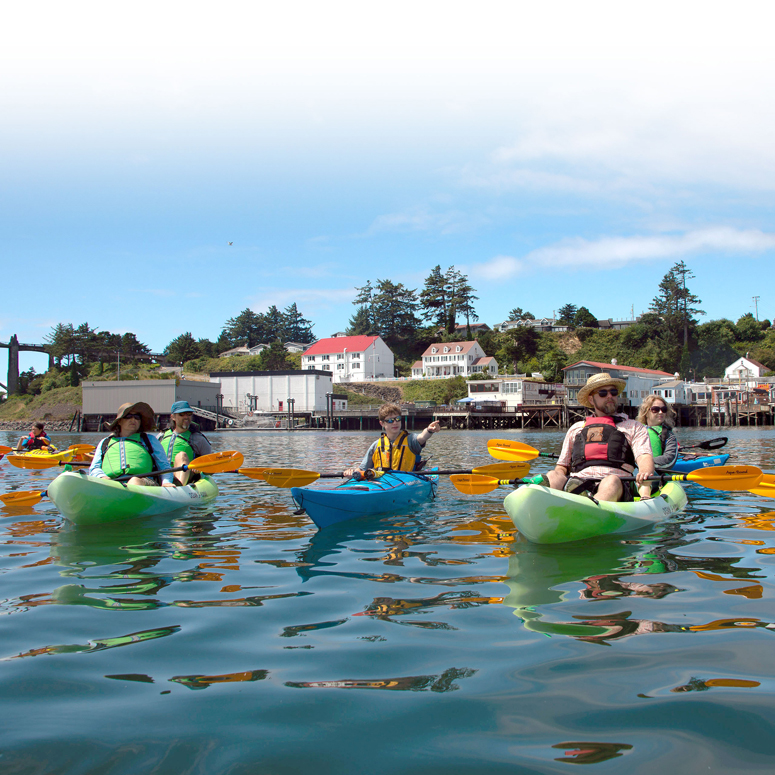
(615, 252)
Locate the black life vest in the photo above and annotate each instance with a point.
(601, 443)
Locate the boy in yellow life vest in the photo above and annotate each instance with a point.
(395, 449)
(183, 442)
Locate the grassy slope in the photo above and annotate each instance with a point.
(53, 405)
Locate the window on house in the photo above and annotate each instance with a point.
(325, 357)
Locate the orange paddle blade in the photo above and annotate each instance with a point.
(217, 462)
(505, 449)
(40, 461)
(289, 477)
(27, 498)
(724, 477)
(253, 473)
(765, 486)
(476, 484)
(5, 450)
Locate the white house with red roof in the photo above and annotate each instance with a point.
(350, 358)
(450, 359)
(640, 382)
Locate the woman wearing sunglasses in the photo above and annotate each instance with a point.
(395, 449)
(131, 449)
(658, 416)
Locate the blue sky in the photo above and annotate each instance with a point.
(570, 153)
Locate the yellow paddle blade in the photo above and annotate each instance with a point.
(83, 447)
(725, 477)
(765, 486)
(217, 462)
(27, 498)
(476, 484)
(253, 473)
(514, 470)
(38, 461)
(289, 477)
(504, 449)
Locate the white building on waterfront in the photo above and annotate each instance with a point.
(515, 392)
(450, 359)
(350, 358)
(640, 382)
(269, 391)
(744, 370)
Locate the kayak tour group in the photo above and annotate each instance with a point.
(606, 458)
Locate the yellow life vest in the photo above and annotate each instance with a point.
(396, 456)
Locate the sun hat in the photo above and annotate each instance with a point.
(144, 410)
(179, 407)
(595, 382)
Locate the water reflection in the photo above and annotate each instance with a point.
(590, 753)
(413, 683)
(99, 644)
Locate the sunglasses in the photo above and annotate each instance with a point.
(658, 409)
(611, 392)
(392, 420)
(132, 417)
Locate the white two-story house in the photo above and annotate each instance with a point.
(350, 358)
(449, 359)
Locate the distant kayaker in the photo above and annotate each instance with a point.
(395, 449)
(604, 447)
(131, 449)
(36, 440)
(184, 441)
(658, 416)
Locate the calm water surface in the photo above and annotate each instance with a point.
(236, 638)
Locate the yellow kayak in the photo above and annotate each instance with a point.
(39, 459)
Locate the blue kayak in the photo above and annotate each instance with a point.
(393, 491)
(685, 465)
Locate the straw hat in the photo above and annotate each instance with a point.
(597, 381)
(141, 408)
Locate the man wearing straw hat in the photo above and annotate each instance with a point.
(604, 447)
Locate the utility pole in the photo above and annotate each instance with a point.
(756, 304)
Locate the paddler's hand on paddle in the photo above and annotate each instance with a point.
(353, 472)
(167, 484)
(423, 437)
(645, 470)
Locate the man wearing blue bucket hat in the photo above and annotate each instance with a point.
(183, 442)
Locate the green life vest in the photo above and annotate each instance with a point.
(173, 443)
(128, 455)
(658, 436)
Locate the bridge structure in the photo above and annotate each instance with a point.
(14, 347)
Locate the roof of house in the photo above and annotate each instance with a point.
(673, 384)
(751, 360)
(464, 347)
(608, 366)
(417, 365)
(483, 361)
(338, 344)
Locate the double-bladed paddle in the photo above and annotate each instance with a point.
(710, 444)
(297, 477)
(215, 463)
(715, 478)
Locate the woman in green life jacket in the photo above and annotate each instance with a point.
(658, 416)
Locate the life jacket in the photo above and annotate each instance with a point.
(174, 442)
(129, 455)
(396, 456)
(658, 436)
(600, 443)
(35, 442)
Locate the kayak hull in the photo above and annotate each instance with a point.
(547, 516)
(88, 500)
(687, 465)
(392, 491)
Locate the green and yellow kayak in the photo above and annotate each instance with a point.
(547, 516)
(89, 500)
